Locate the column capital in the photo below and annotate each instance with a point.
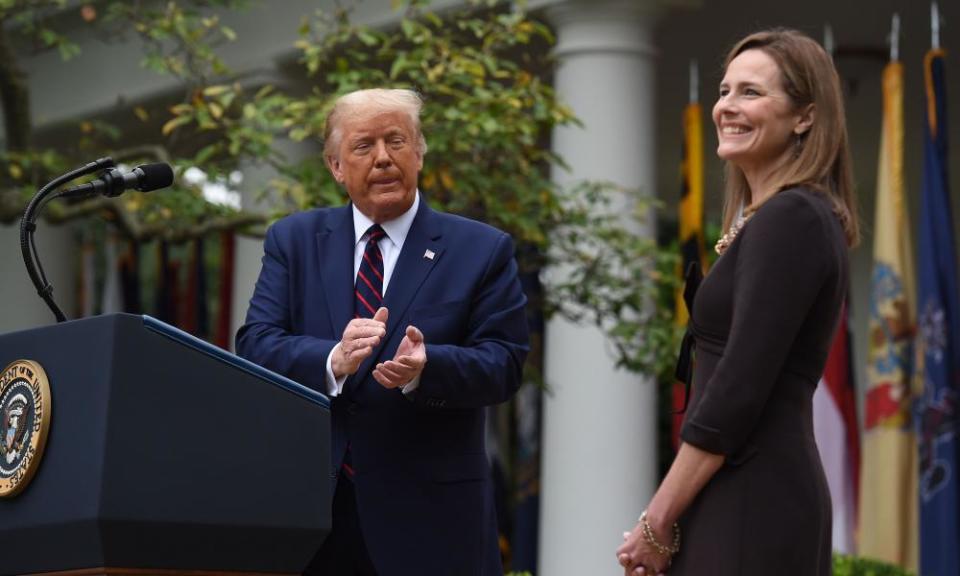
(607, 26)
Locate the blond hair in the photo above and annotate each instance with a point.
(364, 102)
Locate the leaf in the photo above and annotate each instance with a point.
(173, 124)
(398, 65)
(299, 134)
(215, 90)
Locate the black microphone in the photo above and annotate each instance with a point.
(113, 182)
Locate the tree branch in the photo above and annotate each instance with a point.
(246, 223)
(14, 96)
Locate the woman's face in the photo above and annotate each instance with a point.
(755, 118)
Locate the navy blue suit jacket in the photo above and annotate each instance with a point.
(424, 494)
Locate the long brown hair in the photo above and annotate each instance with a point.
(822, 158)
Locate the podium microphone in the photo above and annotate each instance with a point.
(113, 182)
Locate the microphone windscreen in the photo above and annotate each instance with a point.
(155, 176)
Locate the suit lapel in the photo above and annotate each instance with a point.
(413, 266)
(335, 249)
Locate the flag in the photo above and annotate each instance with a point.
(888, 478)
(168, 290)
(938, 343)
(194, 317)
(130, 279)
(224, 335)
(111, 301)
(838, 437)
(691, 199)
(87, 286)
(691, 231)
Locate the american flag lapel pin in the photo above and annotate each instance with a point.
(429, 254)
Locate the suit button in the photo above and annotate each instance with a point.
(353, 408)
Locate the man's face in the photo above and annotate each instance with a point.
(378, 161)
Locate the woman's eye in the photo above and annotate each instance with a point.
(724, 92)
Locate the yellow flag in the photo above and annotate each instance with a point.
(691, 198)
(888, 478)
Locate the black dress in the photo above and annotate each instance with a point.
(763, 320)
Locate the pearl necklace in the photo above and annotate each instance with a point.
(727, 239)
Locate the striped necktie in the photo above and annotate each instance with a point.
(367, 296)
(368, 291)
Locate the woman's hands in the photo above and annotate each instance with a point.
(649, 547)
(638, 556)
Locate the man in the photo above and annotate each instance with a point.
(412, 321)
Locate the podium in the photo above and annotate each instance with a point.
(165, 455)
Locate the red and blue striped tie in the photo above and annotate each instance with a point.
(367, 295)
(368, 292)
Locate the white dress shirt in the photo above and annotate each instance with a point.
(390, 245)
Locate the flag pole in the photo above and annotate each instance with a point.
(828, 44)
(895, 38)
(694, 82)
(934, 26)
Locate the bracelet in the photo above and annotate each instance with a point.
(652, 540)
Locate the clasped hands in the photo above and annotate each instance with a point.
(363, 335)
(638, 556)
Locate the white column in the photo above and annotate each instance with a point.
(599, 456)
(21, 306)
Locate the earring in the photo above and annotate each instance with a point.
(798, 145)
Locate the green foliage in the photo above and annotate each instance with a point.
(30, 19)
(488, 116)
(180, 38)
(853, 566)
(615, 278)
(483, 70)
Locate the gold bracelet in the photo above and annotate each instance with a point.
(652, 540)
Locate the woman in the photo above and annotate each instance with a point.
(746, 490)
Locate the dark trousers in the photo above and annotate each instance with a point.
(344, 552)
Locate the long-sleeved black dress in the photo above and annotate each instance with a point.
(763, 320)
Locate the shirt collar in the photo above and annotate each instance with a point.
(396, 229)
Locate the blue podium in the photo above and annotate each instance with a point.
(164, 455)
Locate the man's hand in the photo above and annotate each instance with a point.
(360, 337)
(407, 364)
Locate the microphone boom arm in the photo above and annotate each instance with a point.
(28, 226)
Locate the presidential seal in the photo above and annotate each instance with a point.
(24, 424)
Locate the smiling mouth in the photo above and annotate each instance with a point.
(734, 130)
